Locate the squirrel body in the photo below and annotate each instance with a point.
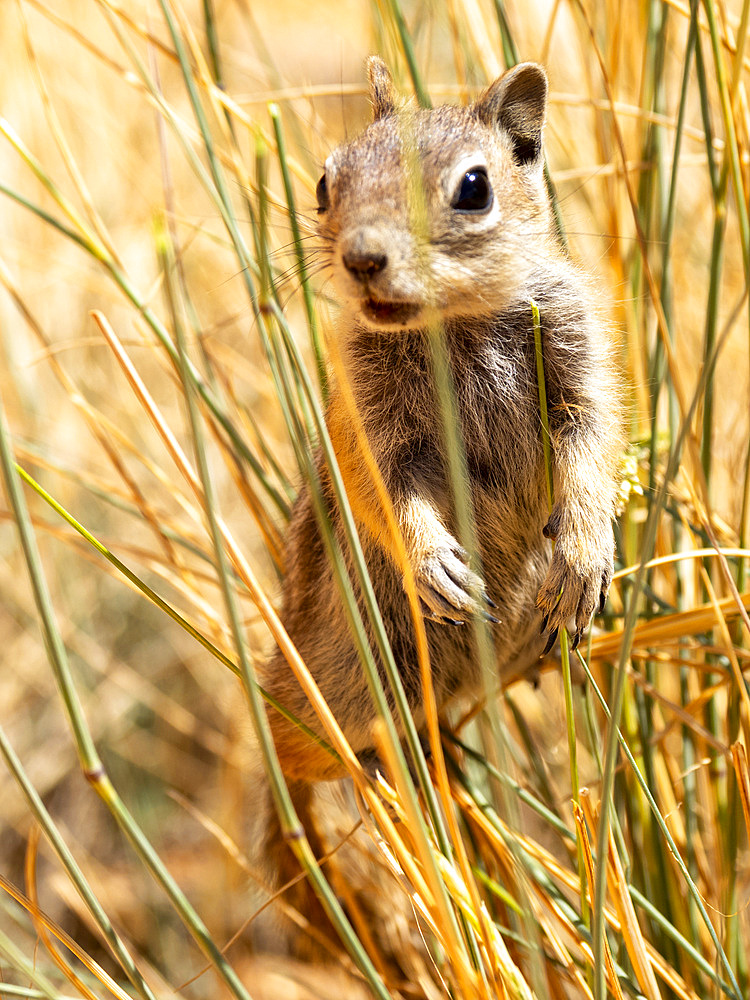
(443, 215)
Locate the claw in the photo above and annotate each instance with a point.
(550, 642)
(444, 620)
(431, 616)
(576, 639)
(448, 586)
(545, 622)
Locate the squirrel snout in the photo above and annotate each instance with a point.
(364, 265)
(364, 254)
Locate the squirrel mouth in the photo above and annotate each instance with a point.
(391, 313)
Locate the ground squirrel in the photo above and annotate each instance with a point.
(490, 247)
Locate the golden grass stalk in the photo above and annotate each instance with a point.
(484, 884)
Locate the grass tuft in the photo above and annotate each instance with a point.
(165, 347)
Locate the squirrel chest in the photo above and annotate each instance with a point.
(496, 395)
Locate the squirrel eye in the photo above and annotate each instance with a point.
(321, 193)
(474, 193)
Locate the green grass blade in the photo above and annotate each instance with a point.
(91, 764)
(290, 821)
(116, 944)
(16, 960)
(299, 252)
(733, 989)
(564, 647)
(397, 16)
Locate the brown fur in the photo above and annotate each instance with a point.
(475, 270)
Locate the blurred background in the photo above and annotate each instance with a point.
(101, 155)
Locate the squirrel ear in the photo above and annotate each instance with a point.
(382, 91)
(516, 103)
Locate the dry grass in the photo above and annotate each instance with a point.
(119, 244)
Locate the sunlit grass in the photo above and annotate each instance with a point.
(167, 343)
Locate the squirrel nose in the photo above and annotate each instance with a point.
(364, 254)
(364, 265)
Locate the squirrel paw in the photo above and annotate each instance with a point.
(572, 592)
(449, 591)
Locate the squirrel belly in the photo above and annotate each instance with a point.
(483, 245)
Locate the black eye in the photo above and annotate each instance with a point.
(321, 193)
(474, 193)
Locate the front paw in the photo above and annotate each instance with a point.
(450, 592)
(577, 581)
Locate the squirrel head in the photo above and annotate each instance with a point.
(438, 212)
